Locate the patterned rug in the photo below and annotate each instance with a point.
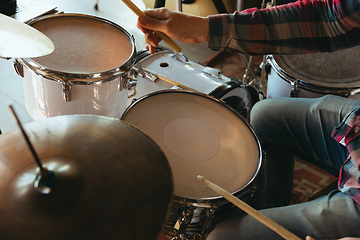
(308, 179)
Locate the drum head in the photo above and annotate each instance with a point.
(83, 44)
(339, 69)
(199, 135)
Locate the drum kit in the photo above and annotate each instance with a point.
(120, 136)
(105, 159)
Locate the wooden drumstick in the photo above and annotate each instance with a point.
(164, 37)
(251, 211)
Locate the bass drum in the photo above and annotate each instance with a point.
(199, 135)
(314, 75)
(163, 70)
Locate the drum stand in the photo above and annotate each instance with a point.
(258, 84)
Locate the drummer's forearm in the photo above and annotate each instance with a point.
(294, 28)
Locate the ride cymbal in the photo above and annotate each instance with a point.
(112, 181)
(20, 40)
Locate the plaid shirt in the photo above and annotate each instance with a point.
(347, 133)
(306, 26)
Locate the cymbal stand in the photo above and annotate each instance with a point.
(263, 71)
(260, 84)
(249, 70)
(246, 77)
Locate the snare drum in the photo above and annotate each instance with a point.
(163, 70)
(86, 74)
(314, 75)
(199, 135)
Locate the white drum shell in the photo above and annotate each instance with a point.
(43, 97)
(193, 75)
(280, 87)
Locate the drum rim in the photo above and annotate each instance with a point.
(80, 78)
(273, 61)
(259, 161)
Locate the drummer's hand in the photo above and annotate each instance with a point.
(345, 238)
(177, 25)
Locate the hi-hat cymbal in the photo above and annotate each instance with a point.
(20, 40)
(112, 181)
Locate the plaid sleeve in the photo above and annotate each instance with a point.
(348, 134)
(305, 26)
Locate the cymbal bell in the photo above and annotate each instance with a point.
(112, 181)
(21, 40)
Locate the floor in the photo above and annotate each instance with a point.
(11, 86)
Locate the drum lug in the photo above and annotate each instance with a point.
(19, 68)
(66, 93)
(267, 67)
(124, 83)
(295, 90)
(145, 74)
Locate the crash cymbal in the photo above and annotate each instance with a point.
(111, 181)
(21, 40)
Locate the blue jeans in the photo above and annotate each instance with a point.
(301, 127)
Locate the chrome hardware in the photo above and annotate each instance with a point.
(132, 84)
(145, 74)
(208, 222)
(66, 91)
(180, 57)
(214, 72)
(295, 90)
(44, 180)
(123, 83)
(185, 218)
(19, 68)
(354, 92)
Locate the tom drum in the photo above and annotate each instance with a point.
(86, 74)
(314, 75)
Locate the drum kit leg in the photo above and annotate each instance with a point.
(249, 75)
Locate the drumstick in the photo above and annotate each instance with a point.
(164, 37)
(97, 5)
(251, 211)
(165, 79)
